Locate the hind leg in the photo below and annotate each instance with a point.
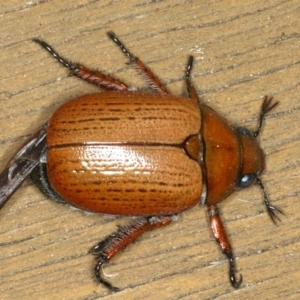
(117, 241)
(92, 76)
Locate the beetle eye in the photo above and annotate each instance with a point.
(244, 131)
(246, 180)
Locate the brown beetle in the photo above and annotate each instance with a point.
(151, 155)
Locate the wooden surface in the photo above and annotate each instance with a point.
(243, 50)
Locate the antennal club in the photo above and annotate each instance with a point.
(272, 210)
(265, 108)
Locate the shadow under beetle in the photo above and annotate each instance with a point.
(151, 155)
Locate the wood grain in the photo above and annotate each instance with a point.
(243, 51)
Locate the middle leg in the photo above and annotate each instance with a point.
(142, 69)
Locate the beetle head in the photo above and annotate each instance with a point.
(253, 160)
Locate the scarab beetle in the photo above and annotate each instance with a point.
(149, 155)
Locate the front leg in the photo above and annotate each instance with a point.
(221, 237)
(119, 240)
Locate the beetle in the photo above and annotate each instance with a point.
(148, 155)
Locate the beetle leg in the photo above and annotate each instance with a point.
(117, 241)
(190, 88)
(221, 237)
(142, 69)
(92, 76)
(25, 160)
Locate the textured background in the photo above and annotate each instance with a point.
(242, 52)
